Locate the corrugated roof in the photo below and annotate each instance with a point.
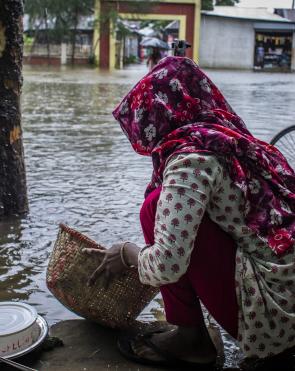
(257, 14)
(172, 25)
(265, 3)
(286, 13)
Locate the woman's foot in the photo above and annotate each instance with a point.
(183, 343)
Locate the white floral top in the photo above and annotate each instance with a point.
(265, 283)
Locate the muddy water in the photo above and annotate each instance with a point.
(82, 171)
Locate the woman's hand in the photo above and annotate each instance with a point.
(110, 261)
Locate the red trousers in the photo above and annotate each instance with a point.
(210, 276)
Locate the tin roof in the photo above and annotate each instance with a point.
(265, 3)
(257, 14)
(174, 25)
(286, 13)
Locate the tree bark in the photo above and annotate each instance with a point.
(76, 20)
(13, 190)
(47, 35)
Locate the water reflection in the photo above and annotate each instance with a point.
(82, 171)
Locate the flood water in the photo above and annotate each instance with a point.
(82, 171)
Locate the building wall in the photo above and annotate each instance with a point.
(131, 46)
(293, 53)
(226, 43)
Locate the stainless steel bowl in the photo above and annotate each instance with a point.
(21, 329)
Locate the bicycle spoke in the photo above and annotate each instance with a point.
(285, 142)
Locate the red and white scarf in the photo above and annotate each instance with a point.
(176, 108)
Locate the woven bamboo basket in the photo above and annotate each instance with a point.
(67, 274)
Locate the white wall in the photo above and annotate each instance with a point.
(131, 45)
(226, 43)
(293, 53)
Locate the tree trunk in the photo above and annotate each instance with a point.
(13, 191)
(47, 35)
(76, 20)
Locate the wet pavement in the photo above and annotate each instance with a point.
(82, 171)
(84, 346)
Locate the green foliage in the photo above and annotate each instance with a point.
(92, 60)
(121, 30)
(28, 41)
(60, 18)
(207, 5)
(37, 8)
(63, 15)
(141, 6)
(111, 15)
(226, 2)
(131, 59)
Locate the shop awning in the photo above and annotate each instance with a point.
(274, 26)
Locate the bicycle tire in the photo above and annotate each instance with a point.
(285, 142)
(282, 133)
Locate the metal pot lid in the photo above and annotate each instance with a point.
(16, 317)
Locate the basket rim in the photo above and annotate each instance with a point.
(80, 236)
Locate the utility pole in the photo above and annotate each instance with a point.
(13, 190)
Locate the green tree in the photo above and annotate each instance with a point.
(41, 14)
(13, 191)
(207, 5)
(68, 14)
(109, 15)
(62, 16)
(226, 2)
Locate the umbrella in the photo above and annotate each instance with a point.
(153, 42)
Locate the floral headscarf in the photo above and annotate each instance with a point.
(176, 108)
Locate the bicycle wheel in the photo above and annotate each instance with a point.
(285, 142)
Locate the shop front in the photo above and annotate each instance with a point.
(273, 47)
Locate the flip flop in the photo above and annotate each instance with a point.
(124, 345)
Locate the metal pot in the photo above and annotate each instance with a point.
(19, 328)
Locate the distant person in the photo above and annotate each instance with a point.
(285, 60)
(260, 52)
(285, 57)
(153, 58)
(218, 221)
